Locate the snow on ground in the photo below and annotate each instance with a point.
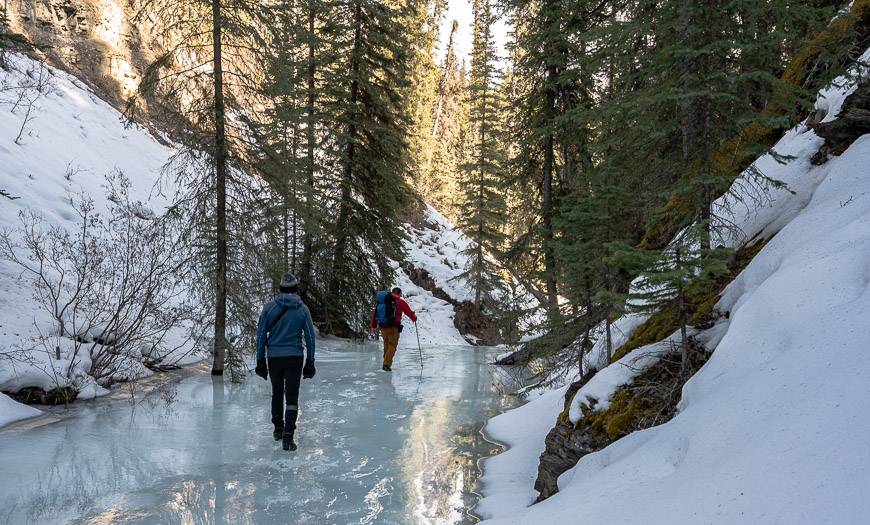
(598, 391)
(773, 428)
(508, 478)
(437, 248)
(69, 143)
(72, 142)
(11, 410)
(434, 317)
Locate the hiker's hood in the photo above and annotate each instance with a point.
(288, 301)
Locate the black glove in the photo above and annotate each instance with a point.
(261, 369)
(401, 327)
(308, 370)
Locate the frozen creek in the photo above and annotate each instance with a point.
(374, 447)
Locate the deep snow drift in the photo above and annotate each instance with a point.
(773, 429)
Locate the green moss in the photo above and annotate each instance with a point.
(622, 416)
(651, 399)
(700, 306)
(660, 325)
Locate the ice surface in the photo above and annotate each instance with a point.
(374, 447)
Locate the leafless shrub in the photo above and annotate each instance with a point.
(114, 287)
(21, 91)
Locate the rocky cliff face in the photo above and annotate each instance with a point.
(851, 122)
(92, 39)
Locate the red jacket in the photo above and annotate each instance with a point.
(401, 308)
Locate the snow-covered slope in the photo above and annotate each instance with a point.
(434, 316)
(437, 247)
(68, 141)
(773, 429)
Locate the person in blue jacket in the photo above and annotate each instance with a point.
(282, 324)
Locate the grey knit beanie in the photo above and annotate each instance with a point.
(288, 280)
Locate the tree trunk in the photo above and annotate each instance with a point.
(547, 212)
(220, 157)
(681, 316)
(291, 188)
(308, 242)
(285, 207)
(442, 84)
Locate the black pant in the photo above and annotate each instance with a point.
(286, 374)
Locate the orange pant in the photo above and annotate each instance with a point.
(391, 341)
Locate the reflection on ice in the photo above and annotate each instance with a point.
(375, 447)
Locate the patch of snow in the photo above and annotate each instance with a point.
(12, 411)
(508, 478)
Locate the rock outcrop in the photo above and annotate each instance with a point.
(564, 446)
(92, 39)
(852, 122)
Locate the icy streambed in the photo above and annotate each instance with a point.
(374, 447)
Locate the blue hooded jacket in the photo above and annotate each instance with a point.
(285, 337)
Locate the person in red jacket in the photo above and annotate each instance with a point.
(391, 331)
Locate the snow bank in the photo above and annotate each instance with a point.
(508, 478)
(12, 411)
(773, 429)
(598, 391)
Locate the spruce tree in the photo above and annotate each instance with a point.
(483, 204)
(367, 87)
(185, 88)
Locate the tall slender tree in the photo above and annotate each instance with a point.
(483, 202)
(368, 85)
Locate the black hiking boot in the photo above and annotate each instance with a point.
(278, 432)
(288, 443)
(290, 416)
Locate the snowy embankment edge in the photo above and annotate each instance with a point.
(587, 486)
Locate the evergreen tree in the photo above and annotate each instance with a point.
(483, 204)
(367, 86)
(186, 86)
(449, 137)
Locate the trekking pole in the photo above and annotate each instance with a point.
(419, 348)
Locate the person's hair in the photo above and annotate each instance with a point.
(288, 289)
(397, 290)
